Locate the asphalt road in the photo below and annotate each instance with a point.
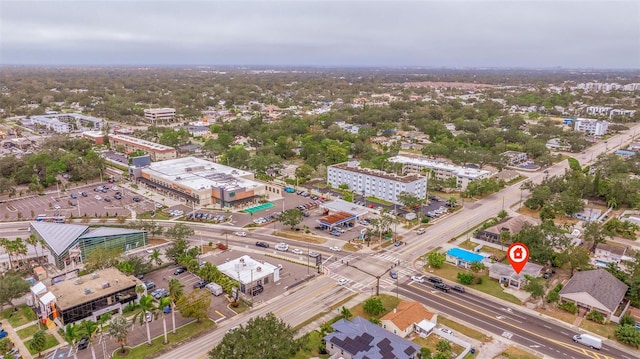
(536, 333)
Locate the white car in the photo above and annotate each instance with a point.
(98, 198)
(417, 278)
(115, 188)
(240, 234)
(343, 281)
(282, 247)
(57, 206)
(158, 205)
(335, 249)
(445, 330)
(297, 251)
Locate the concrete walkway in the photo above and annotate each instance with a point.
(13, 337)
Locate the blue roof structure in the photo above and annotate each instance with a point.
(625, 153)
(109, 231)
(365, 340)
(59, 236)
(466, 256)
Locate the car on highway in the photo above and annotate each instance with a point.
(262, 244)
(297, 251)
(397, 244)
(417, 278)
(443, 287)
(314, 255)
(434, 280)
(179, 270)
(421, 231)
(283, 247)
(458, 288)
(343, 281)
(335, 248)
(393, 274)
(232, 329)
(240, 234)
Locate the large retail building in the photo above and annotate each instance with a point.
(203, 182)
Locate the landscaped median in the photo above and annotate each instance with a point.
(186, 332)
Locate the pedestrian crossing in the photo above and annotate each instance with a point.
(336, 262)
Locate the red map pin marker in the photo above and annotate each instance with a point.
(518, 255)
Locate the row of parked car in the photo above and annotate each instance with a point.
(267, 219)
(207, 217)
(437, 212)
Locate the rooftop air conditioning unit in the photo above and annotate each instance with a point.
(78, 281)
(87, 291)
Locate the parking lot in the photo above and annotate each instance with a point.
(93, 204)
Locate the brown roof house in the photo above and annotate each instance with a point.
(405, 318)
(595, 290)
(512, 225)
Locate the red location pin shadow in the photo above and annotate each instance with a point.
(518, 255)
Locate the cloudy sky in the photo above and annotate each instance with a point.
(445, 33)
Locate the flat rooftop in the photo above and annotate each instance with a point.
(377, 173)
(70, 293)
(459, 171)
(199, 174)
(141, 142)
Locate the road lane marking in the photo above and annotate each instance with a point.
(305, 298)
(557, 342)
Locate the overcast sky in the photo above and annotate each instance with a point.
(446, 33)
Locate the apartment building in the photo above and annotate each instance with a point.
(159, 114)
(376, 183)
(514, 158)
(440, 170)
(591, 127)
(157, 151)
(67, 122)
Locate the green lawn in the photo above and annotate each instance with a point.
(431, 341)
(604, 330)
(389, 302)
(22, 316)
(489, 286)
(310, 344)
(51, 342)
(145, 351)
(517, 353)
(28, 331)
(457, 327)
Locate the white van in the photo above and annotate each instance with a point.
(214, 288)
(588, 340)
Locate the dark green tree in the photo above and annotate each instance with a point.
(39, 342)
(12, 286)
(373, 306)
(262, 337)
(291, 217)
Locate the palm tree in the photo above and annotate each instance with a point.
(155, 257)
(176, 291)
(89, 328)
(148, 307)
(34, 241)
(70, 335)
(8, 248)
(163, 303)
(119, 330)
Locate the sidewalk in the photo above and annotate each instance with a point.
(314, 325)
(15, 339)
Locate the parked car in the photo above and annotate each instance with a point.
(201, 284)
(136, 199)
(107, 199)
(159, 293)
(73, 196)
(179, 270)
(445, 330)
(262, 244)
(149, 284)
(83, 194)
(83, 343)
(257, 290)
(98, 198)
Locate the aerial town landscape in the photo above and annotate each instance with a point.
(313, 208)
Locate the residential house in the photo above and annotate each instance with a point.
(463, 258)
(504, 273)
(608, 253)
(595, 290)
(404, 319)
(361, 339)
(588, 215)
(512, 225)
(514, 158)
(555, 144)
